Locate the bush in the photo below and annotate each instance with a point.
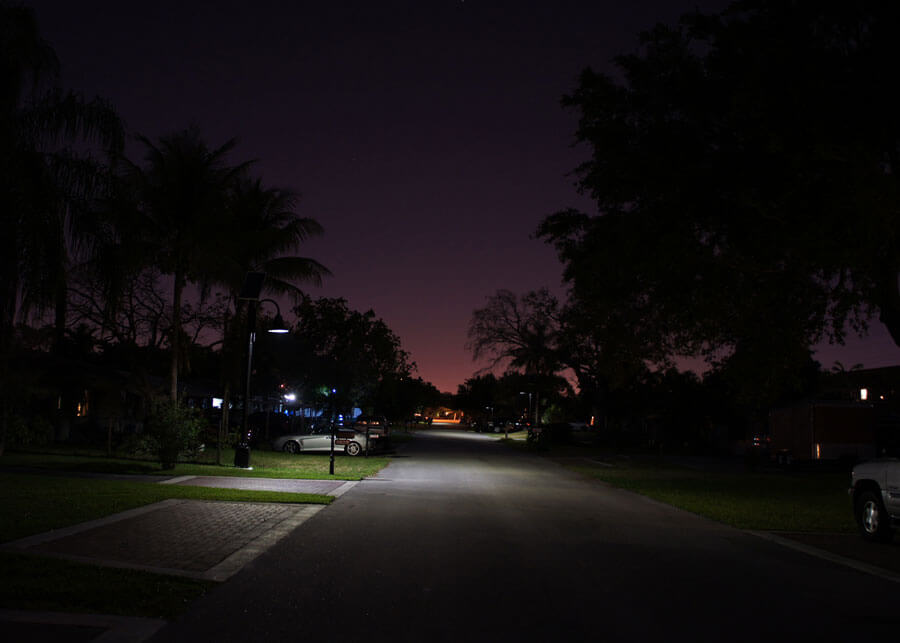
(173, 430)
(137, 445)
(29, 433)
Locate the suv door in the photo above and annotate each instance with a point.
(892, 485)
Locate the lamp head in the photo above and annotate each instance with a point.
(278, 326)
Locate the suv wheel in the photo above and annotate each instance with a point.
(353, 448)
(874, 523)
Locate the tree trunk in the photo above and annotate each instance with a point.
(176, 336)
(65, 402)
(225, 421)
(889, 299)
(9, 289)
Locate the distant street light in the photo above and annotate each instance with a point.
(250, 293)
(529, 402)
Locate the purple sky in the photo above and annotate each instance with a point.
(426, 136)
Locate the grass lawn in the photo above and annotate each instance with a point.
(37, 583)
(265, 464)
(32, 504)
(775, 501)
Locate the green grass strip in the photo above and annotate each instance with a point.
(750, 500)
(265, 464)
(38, 583)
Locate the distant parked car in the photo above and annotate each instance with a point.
(372, 421)
(350, 440)
(378, 428)
(875, 490)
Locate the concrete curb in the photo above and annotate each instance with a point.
(177, 480)
(236, 561)
(119, 629)
(344, 488)
(865, 568)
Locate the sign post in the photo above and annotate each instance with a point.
(331, 461)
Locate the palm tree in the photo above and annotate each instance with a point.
(182, 196)
(265, 231)
(44, 185)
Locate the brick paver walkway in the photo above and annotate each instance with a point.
(196, 538)
(190, 535)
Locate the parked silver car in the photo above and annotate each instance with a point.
(318, 439)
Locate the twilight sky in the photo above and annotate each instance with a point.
(426, 136)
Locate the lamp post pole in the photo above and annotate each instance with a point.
(251, 338)
(250, 293)
(527, 415)
(331, 456)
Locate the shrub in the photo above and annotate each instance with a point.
(33, 432)
(173, 430)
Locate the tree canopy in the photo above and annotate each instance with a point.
(345, 354)
(744, 166)
(520, 331)
(50, 143)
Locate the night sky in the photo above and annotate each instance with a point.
(425, 136)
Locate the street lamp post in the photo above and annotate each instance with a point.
(250, 293)
(331, 454)
(529, 403)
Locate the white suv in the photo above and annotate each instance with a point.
(875, 490)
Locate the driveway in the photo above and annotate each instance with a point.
(463, 539)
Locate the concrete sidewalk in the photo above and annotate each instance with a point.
(192, 538)
(323, 487)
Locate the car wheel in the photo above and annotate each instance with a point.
(291, 447)
(353, 448)
(874, 523)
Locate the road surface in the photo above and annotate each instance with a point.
(463, 539)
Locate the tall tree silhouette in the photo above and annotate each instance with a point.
(264, 233)
(181, 191)
(522, 332)
(744, 166)
(45, 186)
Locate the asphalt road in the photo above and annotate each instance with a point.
(462, 539)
